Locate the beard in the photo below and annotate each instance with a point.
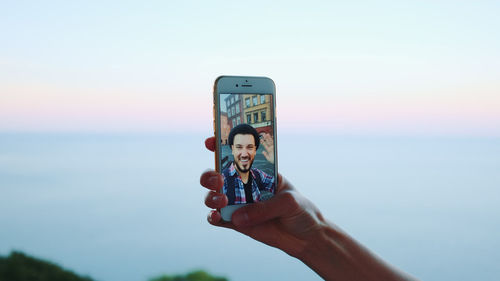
(241, 169)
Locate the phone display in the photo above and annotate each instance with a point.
(245, 129)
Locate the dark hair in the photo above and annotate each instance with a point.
(244, 129)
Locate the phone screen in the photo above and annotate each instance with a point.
(247, 147)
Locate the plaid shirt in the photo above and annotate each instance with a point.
(239, 189)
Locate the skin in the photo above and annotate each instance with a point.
(292, 223)
(244, 151)
(267, 143)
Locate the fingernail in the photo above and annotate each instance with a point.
(209, 217)
(215, 198)
(213, 180)
(240, 219)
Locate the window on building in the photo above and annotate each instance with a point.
(232, 99)
(247, 102)
(236, 97)
(256, 117)
(262, 99)
(229, 113)
(254, 100)
(227, 103)
(237, 108)
(249, 118)
(263, 116)
(232, 110)
(238, 121)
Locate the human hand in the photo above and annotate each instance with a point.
(268, 143)
(287, 221)
(290, 222)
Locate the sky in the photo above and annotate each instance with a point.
(417, 68)
(384, 67)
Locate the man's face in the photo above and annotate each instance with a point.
(244, 151)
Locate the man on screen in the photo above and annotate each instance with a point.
(242, 183)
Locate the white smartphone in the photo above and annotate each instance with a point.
(245, 133)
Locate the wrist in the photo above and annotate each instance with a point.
(326, 252)
(334, 255)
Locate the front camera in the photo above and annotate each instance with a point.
(236, 85)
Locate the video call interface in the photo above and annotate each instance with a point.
(247, 147)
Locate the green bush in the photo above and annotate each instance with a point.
(20, 267)
(199, 275)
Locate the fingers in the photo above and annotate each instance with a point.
(283, 184)
(212, 180)
(267, 140)
(269, 156)
(210, 143)
(281, 205)
(266, 143)
(216, 200)
(215, 218)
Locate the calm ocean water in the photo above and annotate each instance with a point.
(129, 207)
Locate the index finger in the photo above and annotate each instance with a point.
(212, 180)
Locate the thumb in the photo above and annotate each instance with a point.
(281, 205)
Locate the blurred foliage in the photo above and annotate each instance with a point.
(199, 275)
(20, 267)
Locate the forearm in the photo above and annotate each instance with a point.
(334, 255)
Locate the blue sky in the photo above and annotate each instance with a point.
(392, 66)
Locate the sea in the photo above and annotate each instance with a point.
(130, 207)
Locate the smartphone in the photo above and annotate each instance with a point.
(245, 133)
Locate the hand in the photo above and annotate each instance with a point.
(290, 222)
(268, 144)
(287, 221)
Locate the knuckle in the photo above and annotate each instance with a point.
(209, 199)
(215, 200)
(202, 178)
(291, 200)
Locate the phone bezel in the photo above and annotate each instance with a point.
(227, 85)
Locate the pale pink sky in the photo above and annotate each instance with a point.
(41, 108)
(417, 68)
